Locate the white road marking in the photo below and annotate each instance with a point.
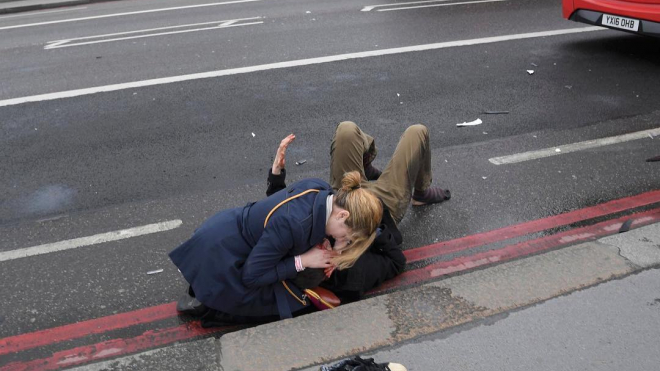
(90, 240)
(42, 12)
(434, 5)
(289, 64)
(369, 8)
(123, 14)
(574, 147)
(220, 24)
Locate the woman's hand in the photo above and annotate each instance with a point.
(280, 156)
(317, 258)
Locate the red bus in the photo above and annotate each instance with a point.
(636, 16)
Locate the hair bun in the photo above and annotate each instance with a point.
(351, 181)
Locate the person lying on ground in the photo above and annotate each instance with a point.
(353, 150)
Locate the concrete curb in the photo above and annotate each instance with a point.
(33, 7)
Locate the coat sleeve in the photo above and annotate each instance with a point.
(274, 182)
(268, 262)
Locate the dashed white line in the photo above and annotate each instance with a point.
(123, 14)
(574, 147)
(90, 240)
(218, 24)
(289, 64)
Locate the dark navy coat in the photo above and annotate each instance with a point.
(233, 263)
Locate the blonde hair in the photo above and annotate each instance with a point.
(365, 214)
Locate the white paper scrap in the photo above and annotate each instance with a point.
(471, 123)
(156, 271)
(253, 135)
(531, 72)
(557, 149)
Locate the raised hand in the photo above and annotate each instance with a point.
(280, 157)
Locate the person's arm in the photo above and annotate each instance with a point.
(275, 183)
(268, 262)
(277, 173)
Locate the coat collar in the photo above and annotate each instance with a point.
(318, 217)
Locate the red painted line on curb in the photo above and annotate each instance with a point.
(533, 226)
(95, 326)
(115, 347)
(123, 320)
(155, 338)
(510, 252)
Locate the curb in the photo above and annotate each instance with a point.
(29, 8)
(320, 338)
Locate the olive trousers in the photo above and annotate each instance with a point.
(408, 169)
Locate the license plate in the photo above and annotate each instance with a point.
(620, 22)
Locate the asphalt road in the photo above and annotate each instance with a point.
(80, 166)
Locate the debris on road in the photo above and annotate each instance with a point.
(625, 227)
(156, 271)
(557, 149)
(471, 123)
(650, 135)
(253, 135)
(569, 87)
(496, 112)
(300, 162)
(653, 159)
(534, 64)
(484, 177)
(531, 72)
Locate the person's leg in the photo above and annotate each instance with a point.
(410, 167)
(351, 149)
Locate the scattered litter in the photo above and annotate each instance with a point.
(569, 87)
(574, 177)
(446, 161)
(484, 177)
(531, 72)
(471, 123)
(485, 133)
(398, 95)
(496, 112)
(155, 272)
(134, 93)
(253, 135)
(300, 162)
(653, 159)
(650, 136)
(534, 64)
(400, 102)
(625, 227)
(557, 149)
(308, 12)
(534, 136)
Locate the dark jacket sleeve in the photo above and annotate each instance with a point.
(267, 262)
(275, 183)
(383, 261)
